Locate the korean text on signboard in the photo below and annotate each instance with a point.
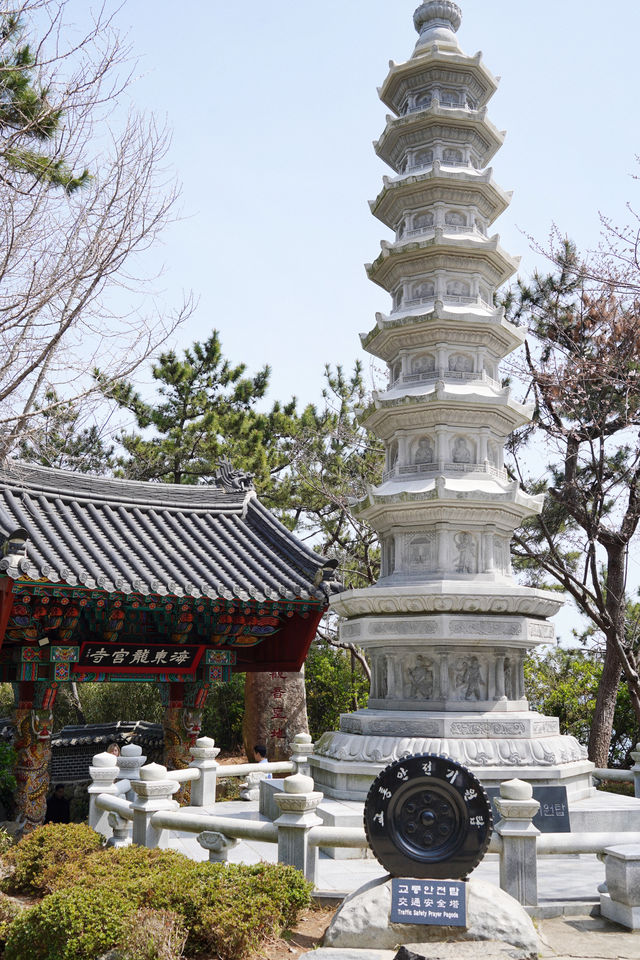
(139, 658)
(442, 902)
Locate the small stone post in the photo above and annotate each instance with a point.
(518, 864)
(103, 772)
(301, 747)
(154, 791)
(217, 844)
(635, 770)
(621, 900)
(121, 831)
(203, 791)
(129, 762)
(297, 805)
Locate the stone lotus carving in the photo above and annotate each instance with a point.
(437, 10)
(477, 753)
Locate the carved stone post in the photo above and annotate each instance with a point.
(621, 901)
(129, 763)
(297, 805)
(154, 791)
(635, 769)
(121, 831)
(103, 771)
(217, 844)
(301, 747)
(203, 791)
(518, 864)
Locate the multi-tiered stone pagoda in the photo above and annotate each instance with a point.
(446, 627)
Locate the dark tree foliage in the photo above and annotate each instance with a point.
(60, 441)
(582, 360)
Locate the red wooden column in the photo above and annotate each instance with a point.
(33, 719)
(182, 723)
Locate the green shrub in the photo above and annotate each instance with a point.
(7, 840)
(153, 935)
(73, 924)
(9, 910)
(38, 855)
(123, 869)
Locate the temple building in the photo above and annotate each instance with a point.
(112, 580)
(446, 627)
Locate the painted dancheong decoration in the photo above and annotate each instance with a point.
(446, 627)
(112, 580)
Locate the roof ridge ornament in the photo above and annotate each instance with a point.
(233, 480)
(437, 20)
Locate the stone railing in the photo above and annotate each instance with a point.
(298, 831)
(623, 776)
(442, 467)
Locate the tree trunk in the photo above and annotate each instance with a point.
(275, 710)
(602, 725)
(77, 703)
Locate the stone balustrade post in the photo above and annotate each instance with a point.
(297, 817)
(518, 864)
(154, 791)
(121, 831)
(620, 901)
(217, 844)
(129, 762)
(103, 772)
(635, 770)
(301, 747)
(203, 791)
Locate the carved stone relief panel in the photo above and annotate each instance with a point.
(470, 679)
(425, 363)
(466, 559)
(424, 451)
(421, 554)
(462, 450)
(461, 363)
(420, 679)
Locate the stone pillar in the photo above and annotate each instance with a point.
(121, 831)
(636, 770)
(129, 763)
(33, 719)
(499, 675)
(203, 791)
(621, 901)
(217, 844)
(275, 712)
(297, 805)
(301, 747)
(103, 771)
(154, 791)
(444, 675)
(518, 864)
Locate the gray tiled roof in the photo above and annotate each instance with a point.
(145, 538)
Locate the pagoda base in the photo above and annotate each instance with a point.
(495, 748)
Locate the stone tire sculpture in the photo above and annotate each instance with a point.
(428, 817)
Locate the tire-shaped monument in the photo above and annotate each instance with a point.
(428, 817)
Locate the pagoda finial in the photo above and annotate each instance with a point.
(437, 20)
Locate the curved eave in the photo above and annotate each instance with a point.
(389, 149)
(382, 417)
(411, 191)
(139, 539)
(423, 60)
(414, 330)
(446, 496)
(388, 268)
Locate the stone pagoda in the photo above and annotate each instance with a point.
(446, 627)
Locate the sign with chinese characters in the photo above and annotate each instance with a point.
(553, 815)
(436, 902)
(136, 657)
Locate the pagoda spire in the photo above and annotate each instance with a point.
(437, 21)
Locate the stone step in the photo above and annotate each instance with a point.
(471, 950)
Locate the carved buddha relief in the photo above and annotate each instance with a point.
(469, 680)
(425, 363)
(461, 363)
(461, 451)
(420, 679)
(467, 558)
(424, 451)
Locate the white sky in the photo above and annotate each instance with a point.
(274, 107)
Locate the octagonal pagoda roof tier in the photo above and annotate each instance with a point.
(452, 124)
(444, 67)
(438, 184)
